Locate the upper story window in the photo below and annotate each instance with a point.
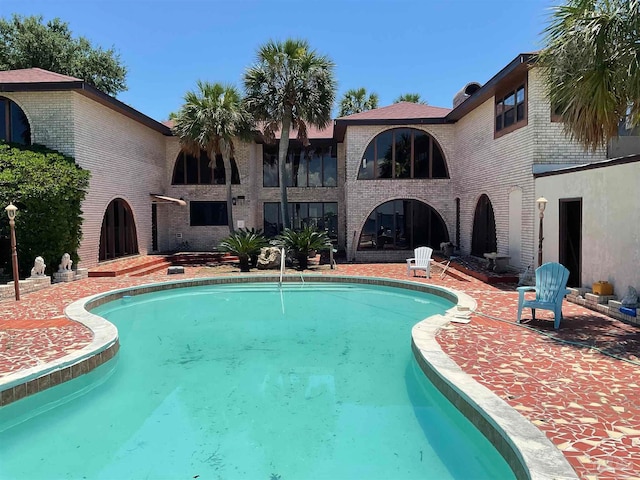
(511, 110)
(403, 153)
(315, 166)
(189, 170)
(14, 126)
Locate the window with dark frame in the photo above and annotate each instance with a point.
(191, 170)
(14, 126)
(204, 214)
(315, 166)
(511, 110)
(403, 153)
(402, 224)
(321, 215)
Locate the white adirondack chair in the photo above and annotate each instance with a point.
(421, 261)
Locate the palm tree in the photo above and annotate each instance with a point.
(290, 86)
(410, 97)
(209, 120)
(592, 67)
(356, 101)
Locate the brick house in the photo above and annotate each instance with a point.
(381, 182)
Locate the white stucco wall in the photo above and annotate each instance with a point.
(610, 222)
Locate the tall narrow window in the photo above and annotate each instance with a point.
(511, 110)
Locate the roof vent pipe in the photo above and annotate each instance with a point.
(468, 90)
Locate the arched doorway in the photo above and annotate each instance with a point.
(118, 234)
(484, 239)
(403, 225)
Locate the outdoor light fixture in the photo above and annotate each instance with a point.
(233, 200)
(11, 210)
(542, 203)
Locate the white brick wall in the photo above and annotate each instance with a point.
(362, 196)
(478, 164)
(125, 158)
(129, 160)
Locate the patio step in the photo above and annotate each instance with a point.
(130, 266)
(150, 269)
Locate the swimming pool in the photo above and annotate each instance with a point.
(254, 381)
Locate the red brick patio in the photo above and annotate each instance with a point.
(583, 400)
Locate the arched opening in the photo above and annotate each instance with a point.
(484, 238)
(118, 234)
(14, 126)
(403, 153)
(403, 225)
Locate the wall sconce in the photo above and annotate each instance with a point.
(234, 200)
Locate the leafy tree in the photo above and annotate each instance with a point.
(27, 42)
(410, 97)
(209, 120)
(356, 100)
(289, 86)
(48, 188)
(592, 64)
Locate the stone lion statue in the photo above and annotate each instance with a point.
(65, 263)
(38, 267)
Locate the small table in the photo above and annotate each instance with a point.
(497, 262)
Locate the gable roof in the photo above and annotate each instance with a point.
(39, 80)
(34, 75)
(400, 111)
(403, 113)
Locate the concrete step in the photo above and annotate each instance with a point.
(147, 269)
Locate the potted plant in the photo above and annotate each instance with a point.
(301, 242)
(244, 243)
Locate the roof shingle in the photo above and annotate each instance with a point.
(34, 75)
(400, 111)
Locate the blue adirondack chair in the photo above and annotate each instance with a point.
(551, 287)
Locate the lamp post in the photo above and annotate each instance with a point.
(11, 210)
(542, 203)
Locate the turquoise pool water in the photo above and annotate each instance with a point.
(250, 381)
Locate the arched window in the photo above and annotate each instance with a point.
(189, 170)
(14, 126)
(403, 153)
(403, 225)
(118, 234)
(483, 239)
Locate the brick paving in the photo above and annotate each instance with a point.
(583, 400)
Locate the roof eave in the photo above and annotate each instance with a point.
(340, 125)
(89, 91)
(488, 90)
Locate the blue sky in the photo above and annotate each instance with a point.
(390, 47)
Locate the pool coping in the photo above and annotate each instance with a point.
(526, 449)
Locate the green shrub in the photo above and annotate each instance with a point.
(301, 242)
(48, 188)
(244, 243)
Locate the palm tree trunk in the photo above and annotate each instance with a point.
(227, 182)
(282, 172)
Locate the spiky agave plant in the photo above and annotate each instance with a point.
(244, 243)
(301, 242)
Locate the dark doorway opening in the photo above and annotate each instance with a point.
(118, 234)
(154, 227)
(483, 239)
(570, 252)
